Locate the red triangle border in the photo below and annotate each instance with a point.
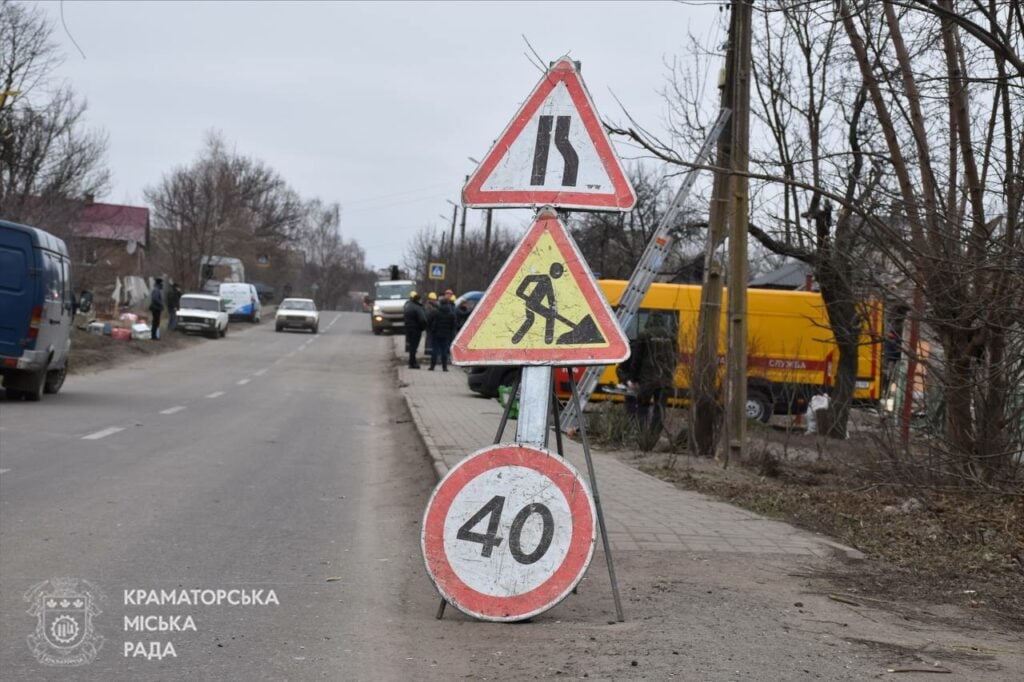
(617, 349)
(623, 198)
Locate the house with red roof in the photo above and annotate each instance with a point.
(108, 241)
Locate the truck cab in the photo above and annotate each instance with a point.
(36, 311)
(388, 310)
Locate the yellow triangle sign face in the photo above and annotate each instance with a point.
(543, 308)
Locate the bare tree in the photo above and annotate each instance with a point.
(335, 265)
(49, 161)
(479, 263)
(946, 85)
(222, 203)
(612, 243)
(807, 153)
(814, 116)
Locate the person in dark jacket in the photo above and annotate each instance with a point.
(429, 307)
(173, 303)
(415, 324)
(442, 327)
(650, 372)
(156, 306)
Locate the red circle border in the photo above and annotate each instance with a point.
(565, 577)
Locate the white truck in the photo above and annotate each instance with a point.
(213, 270)
(388, 311)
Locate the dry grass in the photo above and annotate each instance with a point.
(927, 545)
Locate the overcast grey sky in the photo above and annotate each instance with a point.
(374, 105)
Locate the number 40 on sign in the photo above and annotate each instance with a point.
(509, 532)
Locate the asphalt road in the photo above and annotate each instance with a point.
(288, 463)
(262, 461)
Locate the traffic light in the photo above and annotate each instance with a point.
(394, 273)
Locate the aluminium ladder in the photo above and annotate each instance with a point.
(646, 270)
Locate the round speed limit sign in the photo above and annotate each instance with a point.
(509, 532)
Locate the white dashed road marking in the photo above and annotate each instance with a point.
(4, 471)
(172, 410)
(104, 433)
(216, 394)
(259, 373)
(243, 382)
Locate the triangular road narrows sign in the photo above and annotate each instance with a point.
(555, 152)
(543, 308)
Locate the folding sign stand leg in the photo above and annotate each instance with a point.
(597, 498)
(556, 419)
(555, 413)
(497, 439)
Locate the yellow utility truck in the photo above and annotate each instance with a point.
(791, 352)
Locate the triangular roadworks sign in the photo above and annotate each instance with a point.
(543, 308)
(555, 152)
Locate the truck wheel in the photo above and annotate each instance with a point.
(759, 405)
(277, 328)
(55, 379)
(378, 332)
(223, 332)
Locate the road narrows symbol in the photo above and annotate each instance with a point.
(558, 113)
(569, 155)
(570, 158)
(540, 152)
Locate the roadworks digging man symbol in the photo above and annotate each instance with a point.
(64, 608)
(540, 300)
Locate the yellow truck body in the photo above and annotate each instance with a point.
(791, 352)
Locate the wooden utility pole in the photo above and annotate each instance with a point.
(705, 413)
(736, 363)
(451, 242)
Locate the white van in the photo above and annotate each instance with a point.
(241, 300)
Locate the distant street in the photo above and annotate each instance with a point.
(261, 461)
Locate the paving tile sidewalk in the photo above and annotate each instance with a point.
(642, 512)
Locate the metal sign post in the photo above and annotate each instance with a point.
(510, 530)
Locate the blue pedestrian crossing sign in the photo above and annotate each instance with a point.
(436, 271)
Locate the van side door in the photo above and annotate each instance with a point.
(56, 322)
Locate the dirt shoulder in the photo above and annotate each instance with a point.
(938, 555)
(92, 352)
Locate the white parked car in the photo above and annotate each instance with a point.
(297, 313)
(203, 313)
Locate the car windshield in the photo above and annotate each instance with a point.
(393, 291)
(297, 305)
(197, 303)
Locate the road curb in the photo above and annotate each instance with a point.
(440, 467)
(847, 552)
(436, 459)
